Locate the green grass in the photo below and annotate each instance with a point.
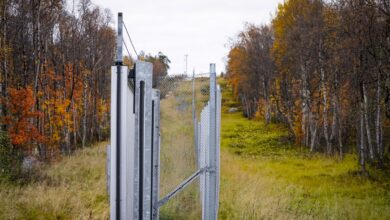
(272, 180)
(263, 176)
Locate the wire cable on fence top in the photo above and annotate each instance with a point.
(127, 49)
(131, 41)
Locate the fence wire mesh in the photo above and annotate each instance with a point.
(182, 99)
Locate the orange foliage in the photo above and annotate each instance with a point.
(236, 71)
(58, 102)
(20, 119)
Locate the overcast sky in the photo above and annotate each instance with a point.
(199, 28)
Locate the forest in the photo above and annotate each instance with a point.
(55, 60)
(305, 109)
(322, 68)
(53, 77)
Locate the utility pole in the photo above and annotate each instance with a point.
(194, 120)
(186, 60)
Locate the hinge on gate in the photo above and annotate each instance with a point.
(132, 81)
(132, 73)
(210, 169)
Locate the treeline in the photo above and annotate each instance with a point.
(55, 58)
(323, 69)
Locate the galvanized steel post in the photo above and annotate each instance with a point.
(117, 94)
(119, 40)
(143, 141)
(155, 154)
(211, 177)
(122, 121)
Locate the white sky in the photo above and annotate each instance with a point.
(199, 28)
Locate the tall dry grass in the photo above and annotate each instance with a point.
(74, 188)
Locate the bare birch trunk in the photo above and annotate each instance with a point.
(368, 132)
(74, 124)
(41, 147)
(290, 124)
(267, 111)
(305, 107)
(267, 108)
(340, 137)
(94, 119)
(325, 112)
(49, 121)
(85, 105)
(255, 105)
(378, 124)
(247, 107)
(67, 136)
(324, 101)
(313, 131)
(336, 121)
(339, 125)
(361, 142)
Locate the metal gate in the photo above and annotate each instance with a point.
(134, 155)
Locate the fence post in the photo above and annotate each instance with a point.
(108, 168)
(218, 145)
(122, 121)
(211, 176)
(131, 143)
(204, 148)
(143, 141)
(155, 154)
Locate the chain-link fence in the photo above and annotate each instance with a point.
(182, 99)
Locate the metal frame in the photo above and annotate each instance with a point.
(138, 161)
(134, 156)
(131, 157)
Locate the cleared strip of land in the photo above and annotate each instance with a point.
(263, 177)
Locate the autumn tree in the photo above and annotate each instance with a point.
(251, 69)
(59, 58)
(322, 68)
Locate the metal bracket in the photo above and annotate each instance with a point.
(132, 80)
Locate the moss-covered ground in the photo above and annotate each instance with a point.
(266, 177)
